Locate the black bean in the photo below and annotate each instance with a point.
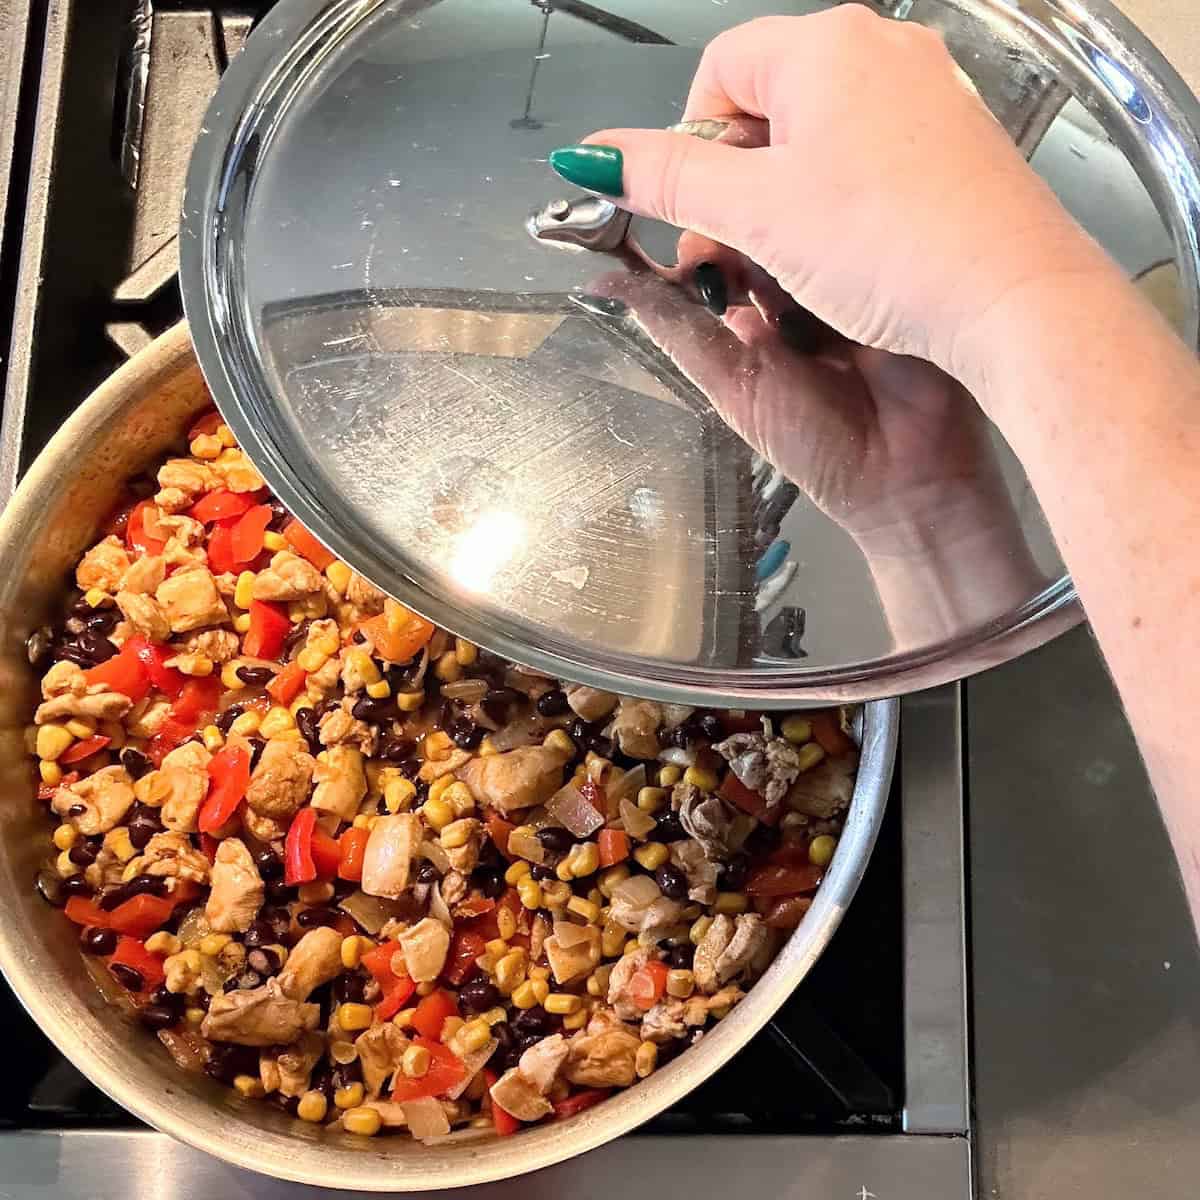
(257, 746)
(306, 722)
(135, 762)
(278, 920)
(327, 706)
(263, 961)
(76, 810)
(552, 704)
(396, 749)
(103, 621)
(669, 828)
(465, 734)
(427, 872)
(556, 839)
(259, 934)
(672, 882)
(98, 941)
(490, 881)
(373, 711)
(579, 731)
(541, 873)
(147, 885)
(296, 638)
(349, 988)
(39, 645)
(158, 1016)
(344, 1074)
(279, 893)
(226, 719)
(128, 977)
(269, 864)
(84, 852)
(676, 738)
(410, 768)
(69, 651)
(711, 728)
(535, 1022)
(502, 1032)
(143, 825)
(313, 918)
(762, 840)
(97, 647)
(168, 999)
(255, 676)
(227, 1061)
(680, 956)
(230, 985)
(732, 876)
(289, 1104)
(478, 995)
(75, 886)
(247, 981)
(279, 515)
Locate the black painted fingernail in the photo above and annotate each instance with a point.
(805, 333)
(710, 283)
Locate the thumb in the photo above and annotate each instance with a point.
(727, 193)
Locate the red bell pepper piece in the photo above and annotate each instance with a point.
(136, 537)
(786, 912)
(220, 549)
(396, 988)
(432, 1012)
(298, 865)
(498, 830)
(222, 505)
(84, 748)
(748, 800)
(141, 915)
(465, 947)
(46, 790)
(828, 734)
(288, 684)
(124, 673)
(579, 1101)
(153, 656)
(445, 1070)
(352, 847)
(207, 423)
(87, 913)
(473, 906)
(247, 537)
(269, 625)
(306, 545)
(229, 777)
(613, 845)
(488, 924)
(505, 1123)
(208, 846)
(195, 707)
(131, 952)
(326, 854)
(646, 987)
(400, 644)
(777, 880)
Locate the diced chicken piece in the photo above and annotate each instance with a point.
(765, 764)
(99, 706)
(388, 859)
(425, 946)
(295, 1064)
(380, 1049)
(432, 770)
(96, 803)
(569, 963)
(321, 683)
(590, 703)
(237, 472)
(237, 889)
(279, 784)
(636, 727)
(103, 566)
(108, 866)
(618, 984)
(708, 952)
(541, 1063)
(288, 577)
(518, 1097)
(190, 600)
(263, 829)
(63, 679)
(465, 858)
(658, 919)
(144, 615)
(180, 532)
(366, 597)
(606, 1058)
(315, 959)
(539, 931)
(341, 781)
(144, 575)
(664, 1022)
(706, 818)
(701, 871)
(173, 856)
(454, 887)
(182, 481)
(517, 779)
(261, 1016)
(826, 790)
(219, 645)
(183, 780)
(338, 727)
(750, 940)
(147, 717)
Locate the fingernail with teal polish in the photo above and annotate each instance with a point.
(596, 168)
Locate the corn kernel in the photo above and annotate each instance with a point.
(701, 778)
(610, 877)
(587, 861)
(409, 701)
(466, 652)
(475, 1036)
(243, 592)
(310, 659)
(809, 755)
(439, 786)
(247, 724)
(95, 597)
(646, 1059)
(576, 1020)
(163, 942)
(450, 1029)
(339, 575)
(278, 720)
(541, 989)
(597, 983)
(398, 795)
(820, 850)
(366, 1122)
(516, 872)
(680, 983)
(404, 1018)
(118, 841)
(364, 665)
(212, 944)
(115, 732)
(436, 746)
(249, 1086)
(229, 676)
(612, 939)
(652, 855)
(796, 729)
(225, 436)
(415, 1062)
(437, 814)
(506, 922)
(494, 1016)
(213, 738)
(206, 446)
(584, 908)
(274, 541)
(523, 996)
(459, 797)
(669, 775)
(241, 624)
(65, 836)
(317, 892)
(510, 971)
(353, 1017)
(350, 1096)
(52, 741)
(536, 973)
(556, 893)
(194, 1017)
(530, 892)
(312, 1106)
(497, 948)
(487, 747)
(560, 740)
(80, 727)
(447, 668)
(343, 1053)
(651, 799)
(730, 903)
(699, 929)
(379, 691)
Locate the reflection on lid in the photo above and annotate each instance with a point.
(484, 548)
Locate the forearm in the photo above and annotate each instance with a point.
(1102, 405)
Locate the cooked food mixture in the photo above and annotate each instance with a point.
(341, 860)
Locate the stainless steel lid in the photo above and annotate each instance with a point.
(491, 428)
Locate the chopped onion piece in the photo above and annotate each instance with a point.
(525, 731)
(474, 1062)
(466, 690)
(637, 824)
(371, 912)
(526, 846)
(436, 854)
(624, 785)
(675, 714)
(637, 891)
(426, 1118)
(678, 757)
(438, 909)
(576, 813)
(570, 934)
